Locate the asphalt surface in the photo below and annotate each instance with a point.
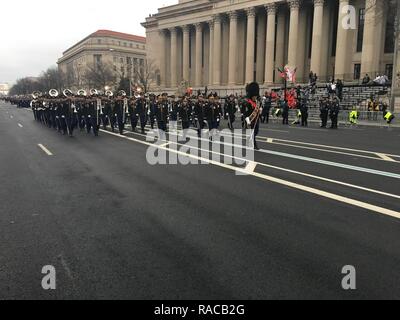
(115, 227)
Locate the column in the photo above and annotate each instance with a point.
(199, 55)
(342, 43)
(174, 47)
(370, 58)
(217, 50)
(163, 49)
(280, 44)
(251, 25)
(318, 26)
(211, 62)
(186, 41)
(232, 48)
(270, 44)
(294, 6)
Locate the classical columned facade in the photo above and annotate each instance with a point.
(224, 44)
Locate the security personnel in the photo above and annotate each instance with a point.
(285, 112)
(324, 111)
(267, 105)
(334, 113)
(353, 117)
(389, 117)
(304, 112)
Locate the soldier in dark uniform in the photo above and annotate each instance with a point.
(200, 114)
(162, 115)
(185, 113)
(214, 115)
(173, 106)
(133, 114)
(152, 109)
(120, 113)
(93, 117)
(141, 110)
(230, 111)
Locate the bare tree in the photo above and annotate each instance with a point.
(145, 73)
(100, 75)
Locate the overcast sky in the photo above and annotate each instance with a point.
(35, 33)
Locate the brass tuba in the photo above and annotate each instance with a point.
(36, 95)
(82, 93)
(54, 93)
(68, 93)
(94, 92)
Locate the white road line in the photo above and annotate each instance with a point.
(270, 140)
(319, 161)
(288, 170)
(385, 157)
(20, 125)
(45, 149)
(251, 167)
(328, 195)
(165, 144)
(331, 147)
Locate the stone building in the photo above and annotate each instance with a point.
(228, 43)
(122, 53)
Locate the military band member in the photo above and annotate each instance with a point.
(185, 113)
(252, 111)
(141, 111)
(162, 115)
(230, 111)
(133, 114)
(214, 115)
(200, 115)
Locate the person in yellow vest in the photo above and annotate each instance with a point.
(353, 116)
(389, 117)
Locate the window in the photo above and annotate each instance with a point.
(360, 35)
(131, 45)
(389, 71)
(357, 71)
(390, 31)
(99, 41)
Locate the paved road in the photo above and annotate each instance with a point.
(116, 227)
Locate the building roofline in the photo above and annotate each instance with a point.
(110, 34)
